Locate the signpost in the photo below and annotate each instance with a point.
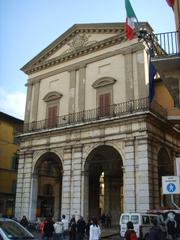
(171, 185)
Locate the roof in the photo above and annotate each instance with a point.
(10, 118)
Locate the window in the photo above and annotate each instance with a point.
(15, 160)
(104, 104)
(104, 95)
(52, 116)
(14, 186)
(52, 100)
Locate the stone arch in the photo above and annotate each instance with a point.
(103, 173)
(165, 168)
(47, 185)
(93, 146)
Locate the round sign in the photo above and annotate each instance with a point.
(171, 187)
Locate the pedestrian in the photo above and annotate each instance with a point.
(41, 226)
(72, 228)
(81, 226)
(24, 222)
(130, 234)
(88, 224)
(95, 231)
(48, 228)
(58, 230)
(66, 226)
(155, 232)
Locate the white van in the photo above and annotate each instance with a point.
(142, 223)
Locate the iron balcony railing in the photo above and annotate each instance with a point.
(169, 43)
(109, 112)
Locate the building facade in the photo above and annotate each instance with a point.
(92, 141)
(9, 147)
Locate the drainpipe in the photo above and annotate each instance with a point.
(134, 167)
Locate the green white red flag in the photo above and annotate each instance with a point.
(130, 20)
(170, 3)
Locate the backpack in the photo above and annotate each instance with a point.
(133, 236)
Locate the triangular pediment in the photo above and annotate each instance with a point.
(76, 41)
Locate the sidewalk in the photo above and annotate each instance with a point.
(106, 232)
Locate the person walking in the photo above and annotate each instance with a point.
(58, 230)
(48, 229)
(24, 222)
(155, 232)
(130, 234)
(95, 231)
(81, 226)
(72, 228)
(66, 226)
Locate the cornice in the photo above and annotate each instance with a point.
(37, 63)
(126, 50)
(76, 53)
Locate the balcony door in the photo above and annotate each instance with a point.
(52, 116)
(104, 104)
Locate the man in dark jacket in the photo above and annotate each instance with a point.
(81, 226)
(155, 232)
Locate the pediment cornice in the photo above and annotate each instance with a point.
(42, 61)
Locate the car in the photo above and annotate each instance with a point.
(10, 229)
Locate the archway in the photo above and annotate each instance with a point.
(165, 168)
(48, 172)
(105, 183)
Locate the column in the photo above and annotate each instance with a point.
(35, 101)
(85, 195)
(19, 188)
(76, 180)
(66, 183)
(28, 103)
(72, 87)
(33, 198)
(81, 91)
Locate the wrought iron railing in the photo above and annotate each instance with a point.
(169, 42)
(109, 112)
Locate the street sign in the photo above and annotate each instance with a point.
(171, 185)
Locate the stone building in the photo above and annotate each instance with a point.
(92, 141)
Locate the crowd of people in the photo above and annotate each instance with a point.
(63, 229)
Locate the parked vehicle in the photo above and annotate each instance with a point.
(10, 229)
(142, 223)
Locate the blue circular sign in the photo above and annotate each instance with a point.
(171, 187)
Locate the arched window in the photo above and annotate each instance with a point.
(104, 95)
(52, 110)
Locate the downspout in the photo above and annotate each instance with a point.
(134, 167)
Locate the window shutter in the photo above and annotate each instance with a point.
(52, 116)
(104, 104)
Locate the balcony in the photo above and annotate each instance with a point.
(167, 61)
(112, 112)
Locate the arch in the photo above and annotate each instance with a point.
(103, 182)
(165, 168)
(47, 185)
(104, 81)
(51, 96)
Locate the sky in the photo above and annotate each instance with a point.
(29, 26)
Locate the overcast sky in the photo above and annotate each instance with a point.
(29, 26)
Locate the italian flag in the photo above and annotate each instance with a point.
(130, 20)
(170, 3)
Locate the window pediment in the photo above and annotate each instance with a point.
(103, 82)
(52, 96)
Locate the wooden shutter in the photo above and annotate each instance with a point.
(52, 116)
(104, 104)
